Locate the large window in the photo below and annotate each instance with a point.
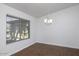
(17, 29)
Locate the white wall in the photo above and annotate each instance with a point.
(64, 31)
(14, 47)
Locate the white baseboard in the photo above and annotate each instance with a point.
(9, 54)
(61, 45)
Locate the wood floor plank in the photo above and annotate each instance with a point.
(39, 49)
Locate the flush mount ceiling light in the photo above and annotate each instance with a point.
(48, 21)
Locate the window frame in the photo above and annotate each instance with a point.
(19, 26)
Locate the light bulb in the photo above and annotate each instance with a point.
(50, 20)
(45, 20)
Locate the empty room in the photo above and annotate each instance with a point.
(39, 29)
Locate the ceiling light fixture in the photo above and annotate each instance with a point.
(48, 21)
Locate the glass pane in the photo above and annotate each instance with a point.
(12, 27)
(24, 29)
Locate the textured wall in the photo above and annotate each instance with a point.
(64, 31)
(8, 49)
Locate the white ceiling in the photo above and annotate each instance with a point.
(40, 9)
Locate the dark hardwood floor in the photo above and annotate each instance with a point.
(39, 49)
